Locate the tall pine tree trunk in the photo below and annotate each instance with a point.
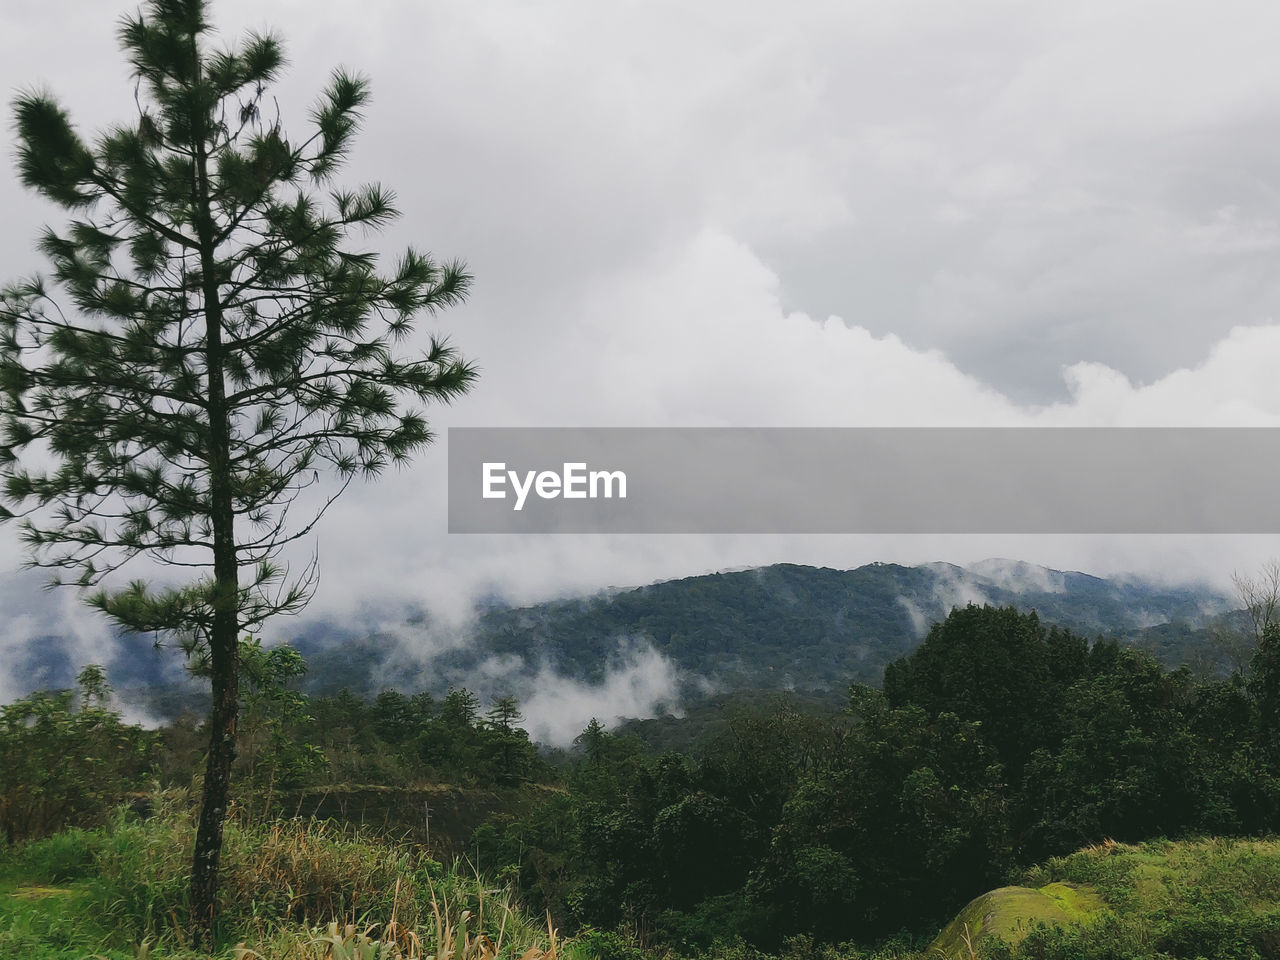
(224, 639)
(224, 660)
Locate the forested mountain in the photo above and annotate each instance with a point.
(781, 627)
(790, 627)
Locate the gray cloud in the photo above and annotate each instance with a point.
(828, 214)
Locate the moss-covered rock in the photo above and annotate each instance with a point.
(1010, 912)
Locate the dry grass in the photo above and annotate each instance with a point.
(449, 935)
(306, 890)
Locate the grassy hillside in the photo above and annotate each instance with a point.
(1009, 913)
(1217, 899)
(439, 817)
(307, 891)
(291, 890)
(793, 831)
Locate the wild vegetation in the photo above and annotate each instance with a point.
(993, 754)
(290, 890)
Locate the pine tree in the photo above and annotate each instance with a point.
(207, 345)
(504, 714)
(592, 740)
(501, 720)
(461, 708)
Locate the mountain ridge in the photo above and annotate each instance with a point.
(783, 626)
(793, 626)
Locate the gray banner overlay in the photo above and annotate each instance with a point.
(864, 480)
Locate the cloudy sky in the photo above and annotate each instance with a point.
(758, 214)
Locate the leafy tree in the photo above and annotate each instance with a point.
(1236, 637)
(757, 761)
(988, 664)
(1260, 595)
(701, 846)
(461, 708)
(271, 748)
(592, 741)
(63, 762)
(1129, 766)
(504, 714)
(513, 753)
(910, 827)
(393, 716)
(341, 720)
(1264, 683)
(207, 343)
(452, 740)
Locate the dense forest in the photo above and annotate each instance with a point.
(998, 744)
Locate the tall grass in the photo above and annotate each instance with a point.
(302, 890)
(64, 856)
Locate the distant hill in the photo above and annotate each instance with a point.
(782, 627)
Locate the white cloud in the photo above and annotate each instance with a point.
(639, 682)
(987, 213)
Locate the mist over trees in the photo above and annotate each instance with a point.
(786, 819)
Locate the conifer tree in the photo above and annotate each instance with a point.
(501, 721)
(504, 714)
(210, 361)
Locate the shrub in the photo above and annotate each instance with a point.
(65, 762)
(68, 855)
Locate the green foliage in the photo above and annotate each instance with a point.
(63, 761)
(412, 740)
(1129, 766)
(507, 745)
(1096, 741)
(593, 944)
(54, 923)
(809, 629)
(207, 251)
(66, 855)
(893, 817)
(271, 872)
(991, 666)
(271, 752)
(1215, 899)
(912, 791)
(791, 830)
(1264, 685)
(290, 889)
(397, 718)
(1010, 913)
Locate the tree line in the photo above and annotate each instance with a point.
(996, 744)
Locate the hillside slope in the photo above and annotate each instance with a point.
(1216, 898)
